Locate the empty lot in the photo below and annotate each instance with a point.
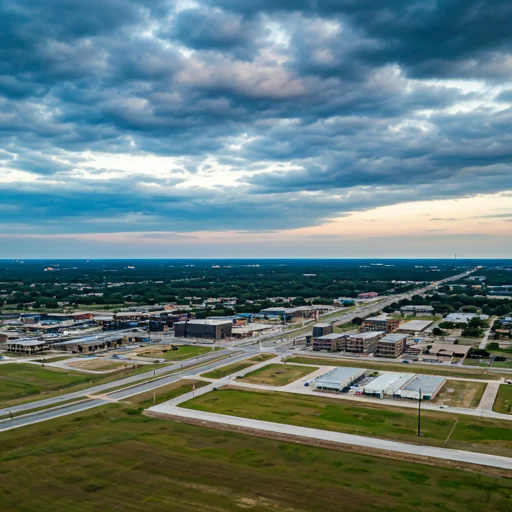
(460, 393)
(278, 374)
(114, 459)
(395, 423)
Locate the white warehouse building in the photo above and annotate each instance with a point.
(339, 379)
(387, 384)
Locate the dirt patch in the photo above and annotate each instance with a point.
(99, 365)
(459, 393)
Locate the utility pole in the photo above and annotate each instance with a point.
(419, 415)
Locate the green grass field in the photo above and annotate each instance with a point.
(485, 363)
(237, 367)
(145, 400)
(53, 359)
(397, 367)
(503, 402)
(278, 374)
(20, 383)
(114, 459)
(400, 424)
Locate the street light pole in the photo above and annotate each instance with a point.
(419, 414)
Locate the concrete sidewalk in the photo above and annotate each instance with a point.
(335, 437)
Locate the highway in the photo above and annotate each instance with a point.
(247, 351)
(361, 311)
(126, 381)
(97, 399)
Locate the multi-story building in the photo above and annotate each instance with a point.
(391, 345)
(322, 329)
(380, 323)
(210, 329)
(363, 342)
(417, 309)
(333, 342)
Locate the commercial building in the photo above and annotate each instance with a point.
(103, 341)
(502, 334)
(380, 323)
(245, 331)
(391, 345)
(414, 326)
(209, 329)
(417, 309)
(367, 295)
(333, 342)
(339, 379)
(363, 342)
(28, 346)
(430, 385)
(449, 350)
(463, 318)
(387, 384)
(322, 329)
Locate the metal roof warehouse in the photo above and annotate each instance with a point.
(387, 384)
(430, 386)
(339, 379)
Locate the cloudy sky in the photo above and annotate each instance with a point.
(218, 128)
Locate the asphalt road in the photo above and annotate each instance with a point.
(84, 405)
(49, 414)
(114, 384)
(337, 437)
(248, 351)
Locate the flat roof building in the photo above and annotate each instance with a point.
(430, 385)
(209, 329)
(380, 323)
(333, 342)
(463, 318)
(363, 342)
(339, 379)
(28, 346)
(417, 309)
(387, 384)
(449, 349)
(414, 326)
(392, 345)
(322, 329)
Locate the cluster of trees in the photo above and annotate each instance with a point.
(153, 282)
(445, 304)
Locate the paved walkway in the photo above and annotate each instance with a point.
(489, 396)
(334, 437)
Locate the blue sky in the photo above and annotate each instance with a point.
(255, 128)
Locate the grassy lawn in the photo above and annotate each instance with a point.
(484, 363)
(237, 367)
(183, 352)
(400, 424)
(145, 400)
(53, 359)
(503, 402)
(20, 383)
(397, 367)
(114, 459)
(461, 393)
(278, 374)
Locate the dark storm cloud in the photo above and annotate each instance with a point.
(207, 29)
(322, 107)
